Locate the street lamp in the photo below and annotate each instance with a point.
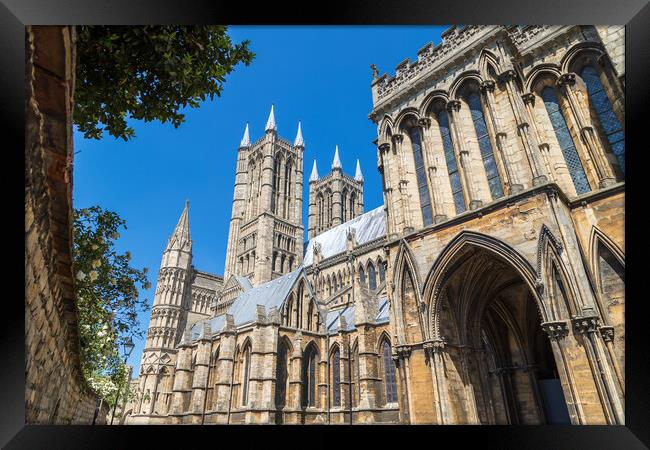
(128, 348)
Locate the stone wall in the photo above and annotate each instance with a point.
(55, 390)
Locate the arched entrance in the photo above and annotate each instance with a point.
(498, 363)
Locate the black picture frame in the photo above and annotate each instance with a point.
(15, 14)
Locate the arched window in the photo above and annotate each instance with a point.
(372, 276)
(335, 364)
(566, 142)
(309, 377)
(362, 276)
(608, 120)
(382, 271)
(246, 362)
(344, 205)
(390, 386)
(484, 144)
(452, 166)
(351, 209)
(421, 175)
(281, 375)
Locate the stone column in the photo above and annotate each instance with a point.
(295, 377)
(182, 389)
(512, 178)
(225, 371)
(391, 208)
(587, 132)
(398, 140)
(337, 210)
(522, 119)
(544, 148)
(462, 153)
(587, 327)
(557, 332)
(434, 352)
(200, 376)
(431, 169)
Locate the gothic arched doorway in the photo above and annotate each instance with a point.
(499, 366)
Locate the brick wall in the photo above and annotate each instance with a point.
(55, 390)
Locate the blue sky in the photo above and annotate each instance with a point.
(319, 75)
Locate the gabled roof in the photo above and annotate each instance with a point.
(244, 308)
(333, 319)
(368, 226)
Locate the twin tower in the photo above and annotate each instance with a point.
(266, 237)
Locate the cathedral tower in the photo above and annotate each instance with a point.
(266, 232)
(335, 198)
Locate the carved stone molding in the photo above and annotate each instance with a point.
(424, 122)
(556, 330)
(403, 351)
(433, 346)
(453, 105)
(607, 333)
(567, 78)
(585, 324)
(528, 98)
(487, 86)
(508, 75)
(384, 147)
(398, 138)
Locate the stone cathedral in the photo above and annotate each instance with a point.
(489, 288)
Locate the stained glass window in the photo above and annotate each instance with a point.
(336, 378)
(566, 142)
(452, 167)
(389, 374)
(485, 146)
(421, 175)
(372, 276)
(608, 119)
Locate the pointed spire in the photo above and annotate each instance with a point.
(358, 175)
(336, 164)
(270, 123)
(181, 235)
(299, 142)
(314, 173)
(246, 140)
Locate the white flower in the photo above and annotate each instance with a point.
(93, 275)
(96, 263)
(81, 275)
(95, 246)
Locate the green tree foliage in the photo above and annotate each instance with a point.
(148, 73)
(108, 300)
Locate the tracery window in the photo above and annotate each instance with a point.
(336, 377)
(372, 276)
(245, 375)
(608, 119)
(390, 385)
(382, 271)
(567, 145)
(362, 276)
(452, 166)
(309, 377)
(485, 146)
(420, 173)
(281, 375)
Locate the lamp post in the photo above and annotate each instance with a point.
(128, 348)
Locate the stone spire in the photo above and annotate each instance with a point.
(358, 175)
(181, 235)
(246, 140)
(336, 164)
(270, 123)
(299, 142)
(314, 173)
